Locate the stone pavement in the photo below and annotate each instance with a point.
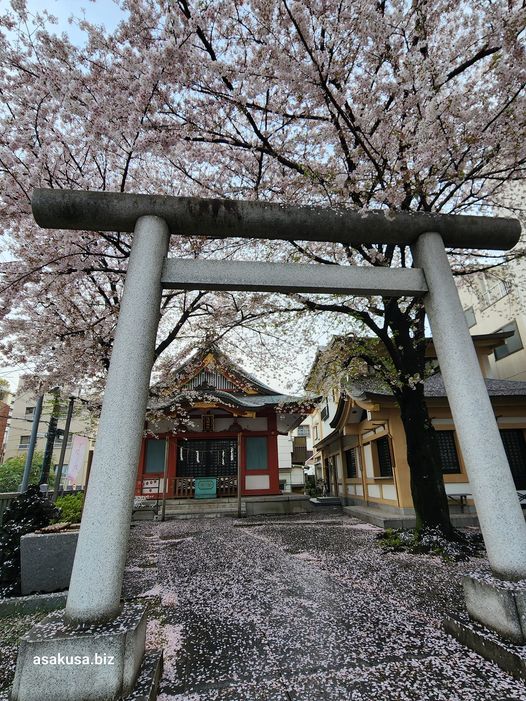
(303, 609)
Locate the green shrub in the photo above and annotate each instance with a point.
(310, 485)
(26, 513)
(12, 471)
(313, 487)
(432, 541)
(70, 506)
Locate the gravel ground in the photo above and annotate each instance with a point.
(296, 609)
(303, 609)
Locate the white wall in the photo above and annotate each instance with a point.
(326, 428)
(284, 452)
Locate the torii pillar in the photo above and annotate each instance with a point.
(105, 635)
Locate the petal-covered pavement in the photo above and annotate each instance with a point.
(302, 609)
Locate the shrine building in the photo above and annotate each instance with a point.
(213, 424)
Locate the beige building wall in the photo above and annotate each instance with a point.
(496, 301)
(368, 487)
(363, 424)
(20, 424)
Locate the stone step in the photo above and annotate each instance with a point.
(189, 508)
(202, 502)
(183, 515)
(199, 506)
(325, 501)
(148, 679)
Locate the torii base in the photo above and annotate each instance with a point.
(498, 604)
(495, 623)
(58, 661)
(511, 658)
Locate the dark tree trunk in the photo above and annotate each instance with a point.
(407, 346)
(423, 457)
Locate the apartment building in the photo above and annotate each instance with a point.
(495, 301)
(20, 423)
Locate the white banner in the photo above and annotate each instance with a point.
(77, 460)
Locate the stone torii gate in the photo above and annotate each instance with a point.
(95, 621)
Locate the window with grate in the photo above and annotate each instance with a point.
(448, 452)
(385, 461)
(206, 458)
(515, 447)
(299, 450)
(351, 463)
(492, 289)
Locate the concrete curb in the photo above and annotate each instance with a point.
(24, 605)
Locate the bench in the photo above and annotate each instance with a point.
(461, 498)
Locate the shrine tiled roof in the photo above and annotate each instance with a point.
(373, 387)
(286, 401)
(434, 387)
(210, 376)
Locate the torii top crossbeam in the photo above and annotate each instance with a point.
(112, 211)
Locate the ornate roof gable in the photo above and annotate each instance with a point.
(213, 370)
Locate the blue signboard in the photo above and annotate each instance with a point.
(205, 488)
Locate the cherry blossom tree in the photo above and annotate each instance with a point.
(383, 104)
(61, 290)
